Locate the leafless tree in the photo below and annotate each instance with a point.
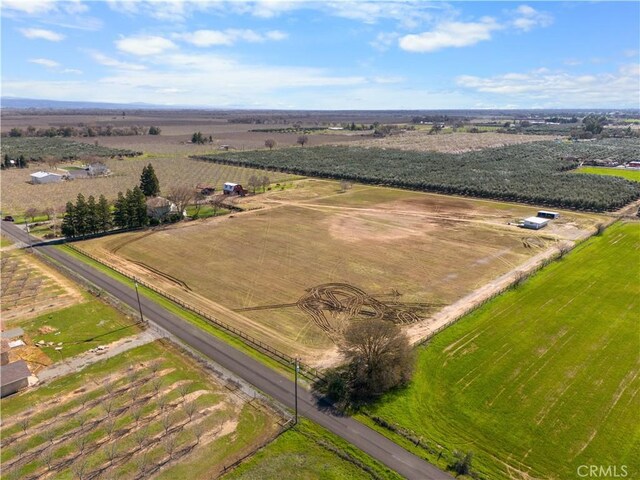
(81, 443)
(109, 387)
(47, 457)
(216, 202)
(49, 435)
(81, 420)
(111, 452)
(156, 384)
(24, 424)
(108, 405)
(302, 139)
(183, 389)
(563, 249)
(52, 162)
(345, 185)
(170, 443)
(167, 423)
(110, 427)
(31, 213)
(155, 367)
(253, 183)
(80, 468)
(141, 437)
(19, 448)
(190, 409)
(136, 414)
(198, 431)
(199, 200)
(162, 403)
(181, 195)
(50, 212)
(265, 181)
(270, 143)
(142, 462)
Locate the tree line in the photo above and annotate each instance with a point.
(19, 162)
(84, 131)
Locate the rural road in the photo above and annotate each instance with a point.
(261, 377)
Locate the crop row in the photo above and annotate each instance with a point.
(530, 173)
(33, 148)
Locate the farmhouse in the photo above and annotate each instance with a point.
(45, 177)
(160, 207)
(634, 164)
(547, 214)
(97, 168)
(13, 377)
(231, 188)
(535, 223)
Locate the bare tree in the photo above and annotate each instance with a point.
(265, 181)
(345, 185)
(216, 202)
(155, 367)
(198, 199)
(31, 213)
(142, 462)
(19, 448)
(108, 405)
(198, 431)
(24, 424)
(136, 414)
(111, 452)
(270, 143)
(109, 387)
(81, 420)
(141, 437)
(156, 384)
(80, 468)
(162, 403)
(182, 196)
(47, 457)
(49, 435)
(183, 389)
(253, 183)
(190, 409)
(110, 427)
(81, 443)
(170, 443)
(302, 139)
(563, 249)
(167, 423)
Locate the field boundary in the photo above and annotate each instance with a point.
(287, 360)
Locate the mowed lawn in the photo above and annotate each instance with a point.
(544, 378)
(615, 172)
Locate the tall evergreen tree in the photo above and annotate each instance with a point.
(139, 207)
(121, 212)
(81, 215)
(92, 220)
(149, 183)
(68, 222)
(104, 214)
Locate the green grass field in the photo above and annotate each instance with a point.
(614, 172)
(544, 378)
(308, 451)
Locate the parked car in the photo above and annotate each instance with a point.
(8, 218)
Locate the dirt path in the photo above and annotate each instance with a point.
(83, 360)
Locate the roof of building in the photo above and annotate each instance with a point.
(230, 184)
(537, 220)
(14, 332)
(44, 174)
(157, 202)
(12, 372)
(548, 212)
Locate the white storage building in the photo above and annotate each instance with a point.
(45, 177)
(535, 223)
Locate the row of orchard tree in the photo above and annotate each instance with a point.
(88, 216)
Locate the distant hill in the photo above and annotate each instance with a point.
(26, 103)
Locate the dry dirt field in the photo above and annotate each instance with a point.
(18, 194)
(295, 271)
(449, 142)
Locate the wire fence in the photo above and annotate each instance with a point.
(283, 358)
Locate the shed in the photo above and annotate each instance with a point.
(13, 333)
(231, 188)
(548, 214)
(634, 164)
(45, 177)
(535, 223)
(13, 377)
(159, 207)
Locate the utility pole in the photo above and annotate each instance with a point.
(26, 224)
(296, 389)
(135, 282)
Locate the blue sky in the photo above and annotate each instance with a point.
(325, 55)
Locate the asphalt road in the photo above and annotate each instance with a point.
(261, 377)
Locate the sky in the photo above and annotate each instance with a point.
(392, 55)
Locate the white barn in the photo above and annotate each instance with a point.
(45, 177)
(535, 223)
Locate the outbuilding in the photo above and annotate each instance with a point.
(45, 177)
(548, 214)
(535, 223)
(160, 207)
(230, 188)
(13, 377)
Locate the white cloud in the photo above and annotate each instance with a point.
(145, 45)
(30, 7)
(112, 62)
(41, 33)
(384, 40)
(45, 62)
(550, 89)
(74, 71)
(528, 18)
(208, 38)
(450, 34)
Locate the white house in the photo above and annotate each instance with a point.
(160, 207)
(45, 177)
(535, 223)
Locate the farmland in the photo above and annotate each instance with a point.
(40, 148)
(530, 173)
(148, 411)
(545, 377)
(18, 195)
(253, 270)
(633, 175)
